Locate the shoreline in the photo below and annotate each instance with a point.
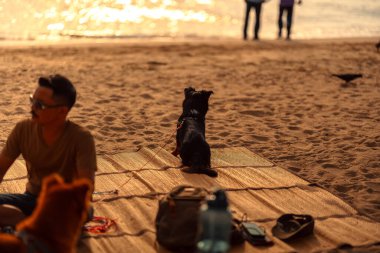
(167, 40)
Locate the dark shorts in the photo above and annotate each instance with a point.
(26, 202)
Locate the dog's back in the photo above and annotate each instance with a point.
(195, 151)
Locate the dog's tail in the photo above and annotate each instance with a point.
(201, 163)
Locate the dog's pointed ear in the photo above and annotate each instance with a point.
(82, 188)
(52, 180)
(188, 91)
(208, 93)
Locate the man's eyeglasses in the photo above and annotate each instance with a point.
(39, 105)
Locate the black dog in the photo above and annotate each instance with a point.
(191, 141)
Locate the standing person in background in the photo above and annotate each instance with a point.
(286, 5)
(257, 5)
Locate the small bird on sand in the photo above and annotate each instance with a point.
(378, 46)
(348, 77)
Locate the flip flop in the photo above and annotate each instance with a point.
(293, 226)
(236, 237)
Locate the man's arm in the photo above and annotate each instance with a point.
(89, 174)
(86, 158)
(11, 149)
(5, 164)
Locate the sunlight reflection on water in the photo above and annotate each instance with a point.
(60, 19)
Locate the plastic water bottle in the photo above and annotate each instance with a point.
(215, 224)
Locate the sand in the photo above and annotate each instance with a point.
(276, 98)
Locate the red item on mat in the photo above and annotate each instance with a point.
(102, 226)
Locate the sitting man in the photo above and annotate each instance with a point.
(49, 143)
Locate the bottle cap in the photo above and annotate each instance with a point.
(218, 200)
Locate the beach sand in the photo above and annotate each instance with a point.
(276, 98)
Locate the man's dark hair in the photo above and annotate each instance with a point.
(63, 90)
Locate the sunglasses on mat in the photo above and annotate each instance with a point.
(39, 105)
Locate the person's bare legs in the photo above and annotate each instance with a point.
(10, 215)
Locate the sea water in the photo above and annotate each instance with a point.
(67, 19)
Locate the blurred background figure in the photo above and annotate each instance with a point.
(286, 5)
(256, 4)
